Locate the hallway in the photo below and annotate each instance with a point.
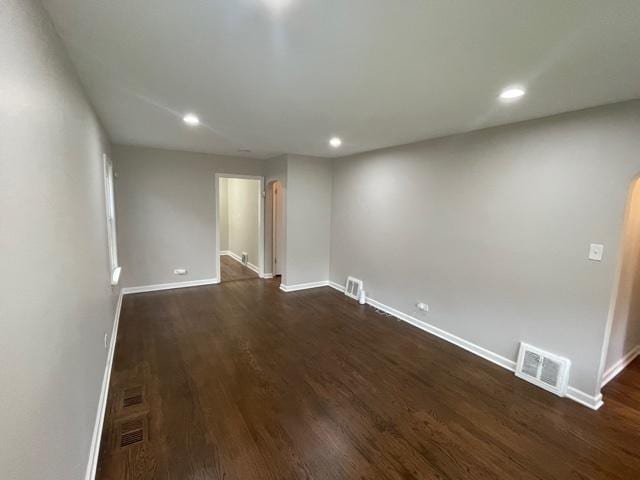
(232, 270)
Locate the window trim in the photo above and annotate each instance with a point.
(110, 212)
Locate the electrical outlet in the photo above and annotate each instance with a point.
(106, 340)
(596, 251)
(180, 271)
(423, 307)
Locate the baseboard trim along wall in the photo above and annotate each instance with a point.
(590, 401)
(593, 402)
(94, 451)
(238, 258)
(251, 266)
(229, 253)
(267, 276)
(304, 286)
(169, 286)
(620, 365)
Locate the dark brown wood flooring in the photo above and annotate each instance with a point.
(232, 270)
(242, 381)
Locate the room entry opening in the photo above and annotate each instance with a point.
(240, 234)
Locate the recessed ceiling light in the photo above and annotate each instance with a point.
(512, 93)
(191, 119)
(335, 142)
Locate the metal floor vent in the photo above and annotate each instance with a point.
(132, 432)
(353, 288)
(132, 396)
(543, 369)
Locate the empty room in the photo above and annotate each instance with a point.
(320, 239)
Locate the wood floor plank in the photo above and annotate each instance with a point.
(243, 381)
(232, 270)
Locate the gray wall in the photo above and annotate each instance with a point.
(625, 328)
(492, 229)
(166, 212)
(242, 216)
(308, 219)
(224, 215)
(56, 301)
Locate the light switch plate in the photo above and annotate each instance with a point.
(596, 250)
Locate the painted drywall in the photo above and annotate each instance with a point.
(240, 197)
(625, 328)
(284, 75)
(166, 212)
(308, 219)
(56, 301)
(492, 230)
(223, 222)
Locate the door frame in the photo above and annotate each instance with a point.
(277, 222)
(261, 195)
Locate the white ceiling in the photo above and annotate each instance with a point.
(283, 76)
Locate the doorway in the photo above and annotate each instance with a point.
(623, 342)
(239, 227)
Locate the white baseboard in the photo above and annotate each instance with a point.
(94, 451)
(449, 337)
(593, 402)
(303, 286)
(169, 286)
(267, 276)
(251, 266)
(238, 259)
(620, 365)
(235, 256)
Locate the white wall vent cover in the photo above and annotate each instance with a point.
(543, 369)
(353, 288)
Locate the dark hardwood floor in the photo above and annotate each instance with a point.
(241, 381)
(232, 270)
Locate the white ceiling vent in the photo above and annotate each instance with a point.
(353, 288)
(543, 369)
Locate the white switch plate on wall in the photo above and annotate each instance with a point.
(596, 250)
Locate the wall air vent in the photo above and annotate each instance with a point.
(543, 369)
(353, 288)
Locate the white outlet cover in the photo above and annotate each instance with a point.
(423, 306)
(106, 340)
(180, 271)
(596, 251)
